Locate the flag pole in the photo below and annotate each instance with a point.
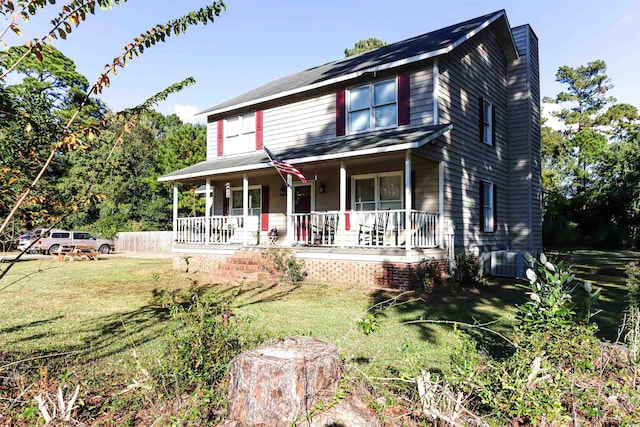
(279, 173)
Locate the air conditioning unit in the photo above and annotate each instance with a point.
(507, 264)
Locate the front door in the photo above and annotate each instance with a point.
(302, 205)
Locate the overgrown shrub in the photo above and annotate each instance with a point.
(428, 273)
(632, 315)
(289, 267)
(205, 336)
(466, 271)
(556, 298)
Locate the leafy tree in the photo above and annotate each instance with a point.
(364, 46)
(73, 134)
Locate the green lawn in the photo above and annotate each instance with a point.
(101, 310)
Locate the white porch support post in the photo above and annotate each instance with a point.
(342, 223)
(441, 204)
(207, 211)
(407, 203)
(175, 212)
(436, 90)
(245, 209)
(290, 224)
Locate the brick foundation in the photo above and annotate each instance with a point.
(365, 273)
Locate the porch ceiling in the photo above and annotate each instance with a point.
(335, 148)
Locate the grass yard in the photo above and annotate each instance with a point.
(84, 318)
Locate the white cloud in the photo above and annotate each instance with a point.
(625, 18)
(186, 113)
(552, 121)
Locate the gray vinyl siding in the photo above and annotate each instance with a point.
(525, 188)
(212, 140)
(476, 68)
(421, 96)
(307, 121)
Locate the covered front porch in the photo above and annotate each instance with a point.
(362, 194)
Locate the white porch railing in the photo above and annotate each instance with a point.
(362, 229)
(222, 229)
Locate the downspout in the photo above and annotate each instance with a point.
(436, 89)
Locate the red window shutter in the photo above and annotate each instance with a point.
(482, 206)
(495, 208)
(264, 219)
(341, 112)
(259, 128)
(220, 137)
(493, 127)
(404, 109)
(225, 205)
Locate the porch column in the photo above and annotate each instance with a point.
(175, 212)
(441, 203)
(408, 202)
(207, 211)
(245, 209)
(290, 224)
(342, 224)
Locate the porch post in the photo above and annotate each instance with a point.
(207, 211)
(175, 212)
(245, 209)
(290, 224)
(441, 203)
(408, 202)
(343, 205)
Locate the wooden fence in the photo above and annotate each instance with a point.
(144, 241)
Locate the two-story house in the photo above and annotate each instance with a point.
(422, 148)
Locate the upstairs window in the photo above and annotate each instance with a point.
(487, 122)
(372, 106)
(240, 135)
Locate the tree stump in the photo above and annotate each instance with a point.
(277, 384)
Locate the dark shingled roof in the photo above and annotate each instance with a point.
(430, 43)
(350, 146)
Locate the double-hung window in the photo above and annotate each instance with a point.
(372, 106)
(377, 191)
(487, 118)
(255, 201)
(487, 206)
(240, 134)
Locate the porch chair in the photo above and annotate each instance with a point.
(373, 234)
(273, 236)
(326, 234)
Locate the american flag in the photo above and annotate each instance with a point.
(283, 166)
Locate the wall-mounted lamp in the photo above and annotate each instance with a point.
(283, 190)
(321, 188)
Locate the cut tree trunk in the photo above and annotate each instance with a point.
(280, 383)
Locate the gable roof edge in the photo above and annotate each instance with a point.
(387, 66)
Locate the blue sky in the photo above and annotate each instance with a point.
(256, 41)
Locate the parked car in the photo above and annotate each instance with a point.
(50, 242)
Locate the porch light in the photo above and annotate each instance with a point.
(321, 188)
(283, 190)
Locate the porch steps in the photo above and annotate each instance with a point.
(245, 265)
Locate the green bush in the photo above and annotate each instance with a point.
(556, 298)
(205, 336)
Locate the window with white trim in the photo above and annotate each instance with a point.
(255, 201)
(372, 106)
(488, 207)
(240, 135)
(487, 122)
(382, 191)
